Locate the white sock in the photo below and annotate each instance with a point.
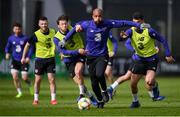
(36, 96)
(53, 96)
(151, 94)
(81, 89)
(19, 91)
(135, 97)
(115, 84)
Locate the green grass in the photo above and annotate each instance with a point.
(67, 93)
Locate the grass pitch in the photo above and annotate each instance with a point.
(67, 93)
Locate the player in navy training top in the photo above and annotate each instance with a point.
(97, 33)
(15, 46)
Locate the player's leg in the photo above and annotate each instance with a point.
(16, 81)
(100, 71)
(78, 73)
(15, 67)
(37, 84)
(91, 62)
(50, 69)
(71, 69)
(138, 70)
(134, 89)
(152, 85)
(108, 74)
(120, 80)
(108, 71)
(52, 83)
(150, 82)
(78, 78)
(39, 71)
(24, 75)
(125, 77)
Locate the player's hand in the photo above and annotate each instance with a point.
(111, 54)
(7, 56)
(145, 25)
(170, 59)
(27, 60)
(123, 35)
(62, 43)
(23, 61)
(82, 51)
(78, 28)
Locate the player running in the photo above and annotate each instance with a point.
(97, 32)
(73, 55)
(45, 58)
(15, 46)
(127, 76)
(145, 59)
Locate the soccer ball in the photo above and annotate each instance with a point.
(84, 103)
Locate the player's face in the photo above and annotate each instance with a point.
(43, 24)
(97, 17)
(63, 25)
(17, 30)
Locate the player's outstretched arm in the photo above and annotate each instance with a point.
(125, 23)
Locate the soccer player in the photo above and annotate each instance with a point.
(73, 55)
(45, 58)
(112, 46)
(127, 76)
(15, 45)
(145, 58)
(97, 32)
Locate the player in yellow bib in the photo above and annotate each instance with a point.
(145, 59)
(73, 55)
(45, 58)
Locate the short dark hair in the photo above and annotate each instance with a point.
(97, 10)
(17, 24)
(62, 17)
(43, 18)
(138, 15)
